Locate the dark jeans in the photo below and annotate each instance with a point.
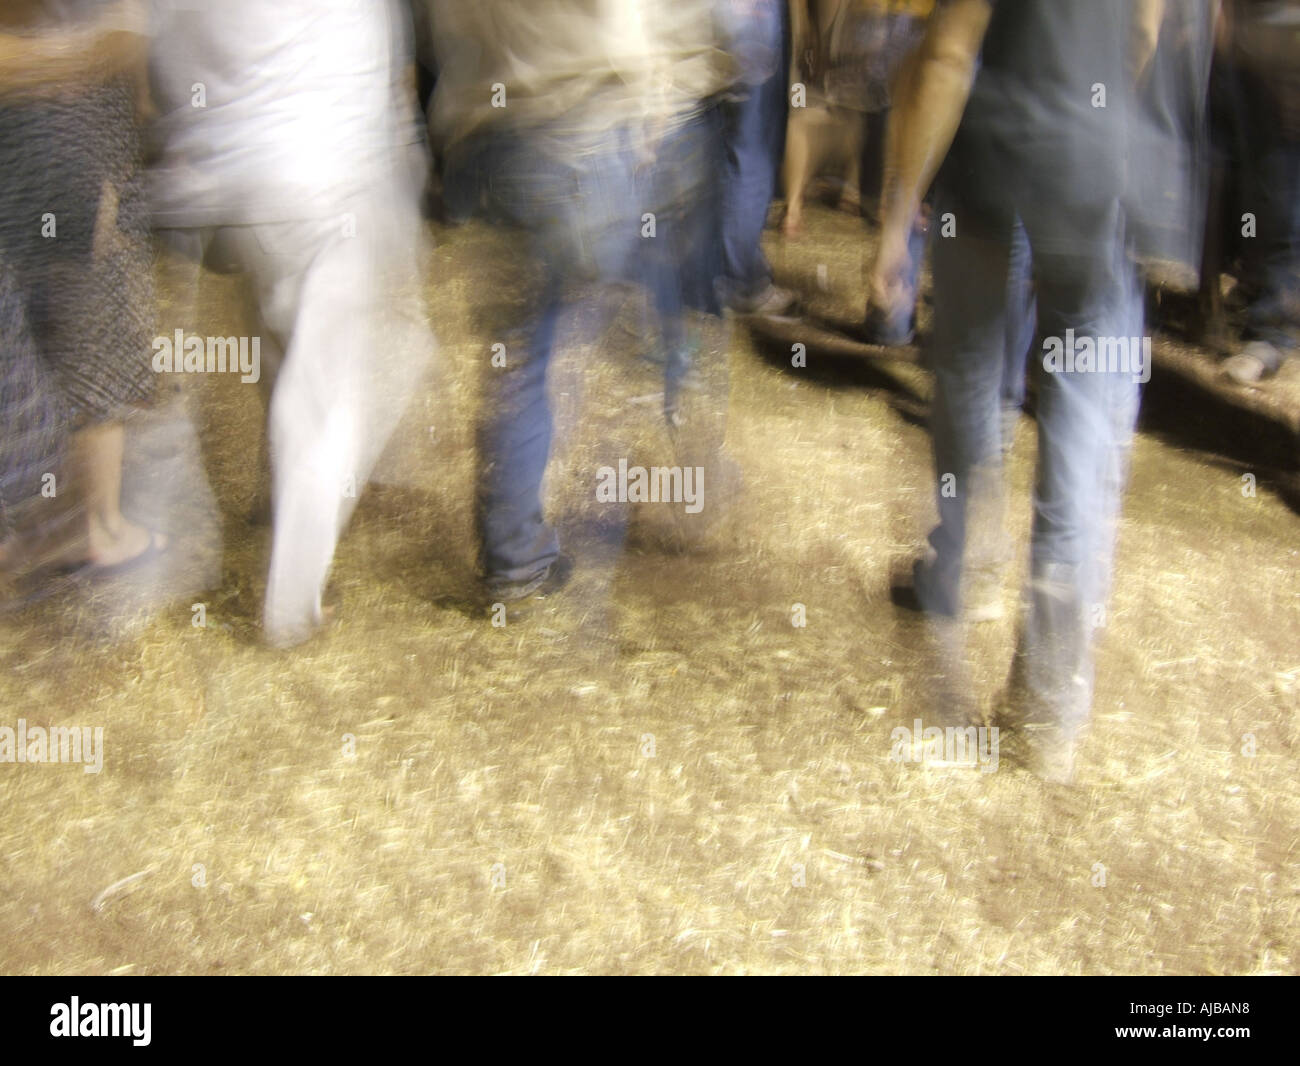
(1267, 162)
(1271, 270)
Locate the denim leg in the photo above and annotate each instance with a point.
(1084, 288)
(1084, 419)
(1268, 317)
(514, 445)
(681, 262)
(576, 200)
(970, 280)
(1022, 322)
(753, 136)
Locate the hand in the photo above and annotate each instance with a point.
(889, 286)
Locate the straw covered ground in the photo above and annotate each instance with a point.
(659, 771)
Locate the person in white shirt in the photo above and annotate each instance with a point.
(289, 140)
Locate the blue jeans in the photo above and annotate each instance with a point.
(1022, 323)
(1085, 419)
(582, 198)
(753, 141)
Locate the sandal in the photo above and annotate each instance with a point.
(157, 546)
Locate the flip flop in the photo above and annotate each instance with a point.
(46, 582)
(158, 545)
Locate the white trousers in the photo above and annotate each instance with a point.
(340, 296)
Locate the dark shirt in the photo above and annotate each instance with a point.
(1033, 126)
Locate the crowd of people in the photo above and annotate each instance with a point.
(1039, 153)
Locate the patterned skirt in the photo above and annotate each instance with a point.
(87, 304)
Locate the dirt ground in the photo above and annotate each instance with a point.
(659, 772)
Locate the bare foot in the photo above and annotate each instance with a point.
(120, 546)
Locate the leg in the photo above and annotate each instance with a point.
(98, 339)
(348, 365)
(753, 134)
(517, 544)
(96, 474)
(1022, 323)
(851, 195)
(871, 163)
(1085, 418)
(579, 206)
(970, 280)
(797, 169)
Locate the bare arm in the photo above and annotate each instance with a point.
(929, 99)
(113, 44)
(1147, 17)
(932, 96)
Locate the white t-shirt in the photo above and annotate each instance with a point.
(589, 65)
(274, 110)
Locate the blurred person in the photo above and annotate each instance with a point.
(33, 437)
(753, 118)
(289, 144)
(77, 302)
(1258, 88)
(1021, 108)
(589, 128)
(1170, 132)
(847, 54)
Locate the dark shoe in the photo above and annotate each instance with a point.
(982, 600)
(769, 302)
(919, 593)
(1255, 362)
(518, 598)
(1043, 723)
(902, 594)
(888, 331)
(1044, 748)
